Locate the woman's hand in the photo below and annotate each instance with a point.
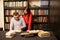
(28, 30)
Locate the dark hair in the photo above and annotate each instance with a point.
(15, 13)
(28, 10)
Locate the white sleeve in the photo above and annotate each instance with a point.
(11, 24)
(23, 23)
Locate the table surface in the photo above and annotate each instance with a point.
(18, 37)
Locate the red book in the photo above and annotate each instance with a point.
(42, 12)
(6, 12)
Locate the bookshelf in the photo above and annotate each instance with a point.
(39, 9)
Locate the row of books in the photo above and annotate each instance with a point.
(14, 0)
(8, 19)
(21, 12)
(7, 26)
(39, 12)
(10, 12)
(35, 3)
(15, 4)
(36, 19)
(40, 19)
(36, 27)
(40, 26)
(39, 3)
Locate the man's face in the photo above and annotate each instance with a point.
(16, 17)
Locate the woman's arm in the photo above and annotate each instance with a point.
(30, 21)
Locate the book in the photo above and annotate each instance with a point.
(40, 19)
(6, 19)
(7, 26)
(6, 4)
(35, 12)
(40, 12)
(25, 4)
(35, 19)
(45, 19)
(37, 27)
(16, 4)
(12, 4)
(44, 4)
(11, 12)
(45, 12)
(6, 12)
(19, 4)
(35, 3)
(21, 12)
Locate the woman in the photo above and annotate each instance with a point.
(28, 18)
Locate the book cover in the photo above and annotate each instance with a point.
(39, 12)
(21, 12)
(13, 4)
(25, 3)
(44, 4)
(11, 12)
(6, 19)
(45, 12)
(42, 12)
(40, 19)
(7, 26)
(35, 12)
(6, 4)
(45, 19)
(6, 12)
(10, 4)
(35, 3)
(19, 4)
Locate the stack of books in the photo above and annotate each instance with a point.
(39, 12)
(15, 4)
(40, 19)
(39, 3)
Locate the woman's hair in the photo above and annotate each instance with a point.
(28, 10)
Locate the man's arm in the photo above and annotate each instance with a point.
(11, 24)
(23, 23)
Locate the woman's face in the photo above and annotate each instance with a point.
(25, 11)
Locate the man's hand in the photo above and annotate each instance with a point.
(19, 28)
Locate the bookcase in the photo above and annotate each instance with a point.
(39, 9)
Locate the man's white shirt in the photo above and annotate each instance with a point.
(16, 24)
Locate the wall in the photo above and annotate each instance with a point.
(55, 17)
(1, 15)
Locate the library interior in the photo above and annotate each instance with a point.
(30, 19)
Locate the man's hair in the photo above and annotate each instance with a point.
(15, 13)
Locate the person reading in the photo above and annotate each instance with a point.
(17, 22)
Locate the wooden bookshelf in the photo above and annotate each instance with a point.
(44, 12)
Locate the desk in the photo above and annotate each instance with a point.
(18, 37)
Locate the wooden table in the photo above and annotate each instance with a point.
(18, 37)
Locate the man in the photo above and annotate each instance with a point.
(17, 22)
